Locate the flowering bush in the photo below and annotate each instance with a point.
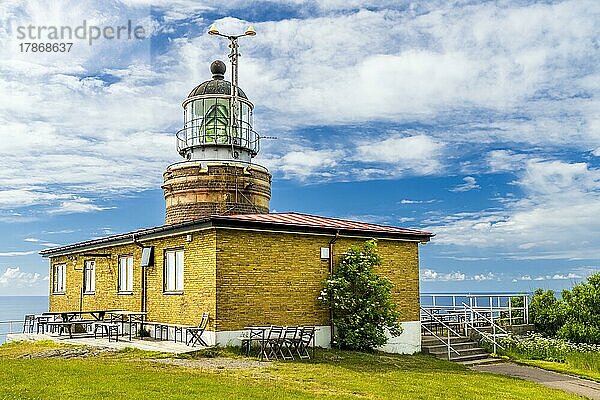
(360, 300)
(537, 347)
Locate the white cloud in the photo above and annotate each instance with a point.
(76, 205)
(33, 240)
(419, 153)
(15, 278)
(306, 162)
(470, 183)
(552, 221)
(17, 253)
(431, 275)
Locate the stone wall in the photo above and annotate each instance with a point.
(194, 190)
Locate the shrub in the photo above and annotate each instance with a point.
(546, 312)
(582, 307)
(360, 300)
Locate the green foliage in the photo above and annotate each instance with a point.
(361, 300)
(582, 307)
(575, 317)
(546, 312)
(580, 358)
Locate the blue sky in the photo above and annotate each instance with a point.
(478, 121)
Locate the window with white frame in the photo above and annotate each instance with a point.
(125, 274)
(173, 274)
(59, 273)
(89, 276)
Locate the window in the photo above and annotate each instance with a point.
(173, 274)
(89, 276)
(58, 278)
(126, 274)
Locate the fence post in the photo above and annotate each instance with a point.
(494, 336)
(510, 322)
(448, 331)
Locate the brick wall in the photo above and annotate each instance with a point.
(199, 281)
(275, 278)
(240, 277)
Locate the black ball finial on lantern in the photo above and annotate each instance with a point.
(218, 68)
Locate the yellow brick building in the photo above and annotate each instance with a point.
(220, 251)
(254, 269)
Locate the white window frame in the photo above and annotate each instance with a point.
(125, 279)
(173, 271)
(89, 276)
(59, 275)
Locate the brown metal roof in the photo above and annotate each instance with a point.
(305, 220)
(290, 222)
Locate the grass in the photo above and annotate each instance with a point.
(584, 365)
(332, 375)
(555, 355)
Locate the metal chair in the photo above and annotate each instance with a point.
(254, 335)
(42, 321)
(306, 338)
(196, 332)
(272, 342)
(288, 342)
(28, 323)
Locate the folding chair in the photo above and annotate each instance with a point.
(196, 332)
(272, 342)
(287, 342)
(306, 336)
(28, 323)
(254, 335)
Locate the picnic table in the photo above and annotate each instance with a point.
(68, 319)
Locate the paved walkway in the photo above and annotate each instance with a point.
(551, 379)
(150, 345)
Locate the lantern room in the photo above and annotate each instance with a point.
(217, 122)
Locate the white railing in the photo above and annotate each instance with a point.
(500, 307)
(446, 327)
(14, 326)
(472, 324)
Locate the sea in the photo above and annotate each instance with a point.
(14, 308)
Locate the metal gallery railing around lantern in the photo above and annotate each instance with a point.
(199, 132)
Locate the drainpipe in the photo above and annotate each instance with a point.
(143, 277)
(331, 242)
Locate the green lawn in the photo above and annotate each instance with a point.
(334, 375)
(564, 368)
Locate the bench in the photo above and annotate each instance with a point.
(68, 325)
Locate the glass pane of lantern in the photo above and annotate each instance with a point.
(207, 131)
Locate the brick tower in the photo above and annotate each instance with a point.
(218, 144)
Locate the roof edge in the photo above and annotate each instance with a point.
(225, 221)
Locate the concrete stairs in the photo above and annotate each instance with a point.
(469, 351)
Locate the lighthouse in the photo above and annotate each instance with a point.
(217, 143)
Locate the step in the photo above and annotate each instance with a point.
(462, 352)
(433, 341)
(440, 346)
(482, 361)
(471, 357)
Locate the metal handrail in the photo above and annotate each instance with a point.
(494, 326)
(448, 330)
(10, 324)
(194, 134)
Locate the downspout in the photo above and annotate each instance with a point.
(331, 242)
(143, 277)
